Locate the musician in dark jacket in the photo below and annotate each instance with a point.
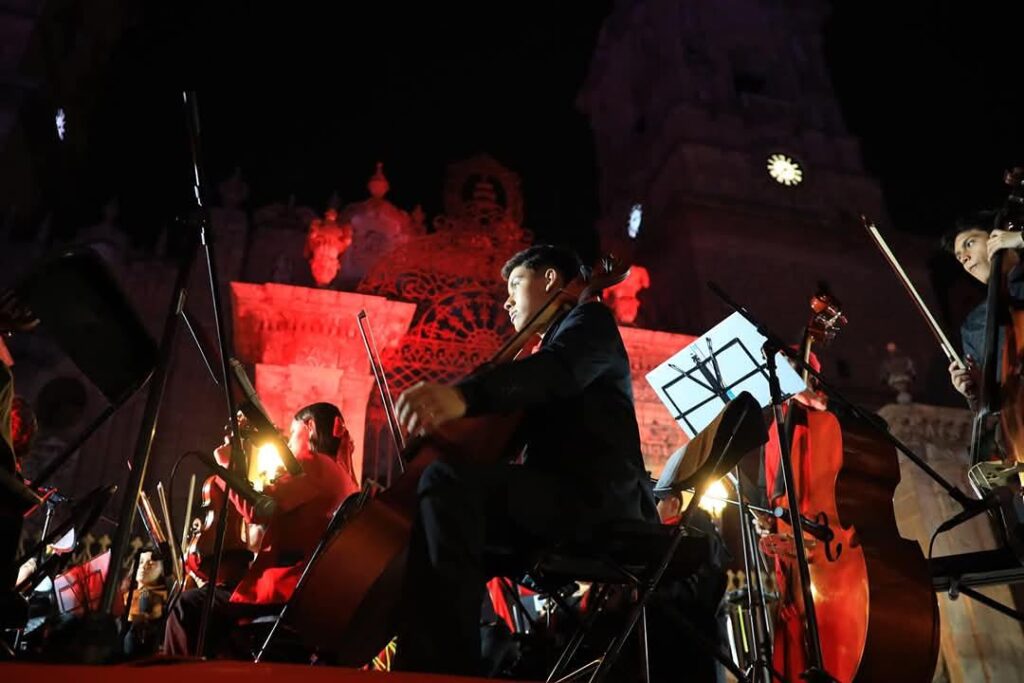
(581, 465)
(973, 243)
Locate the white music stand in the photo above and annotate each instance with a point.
(698, 381)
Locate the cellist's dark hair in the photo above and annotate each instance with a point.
(542, 256)
(977, 220)
(322, 439)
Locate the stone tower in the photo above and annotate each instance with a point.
(688, 101)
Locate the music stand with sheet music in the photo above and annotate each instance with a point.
(698, 381)
(727, 363)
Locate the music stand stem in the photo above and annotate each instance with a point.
(237, 459)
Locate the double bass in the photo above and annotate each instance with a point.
(1002, 386)
(876, 609)
(348, 601)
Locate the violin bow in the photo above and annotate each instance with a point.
(382, 385)
(947, 347)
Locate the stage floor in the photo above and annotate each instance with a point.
(186, 671)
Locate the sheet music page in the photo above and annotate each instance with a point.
(735, 345)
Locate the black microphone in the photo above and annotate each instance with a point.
(822, 532)
(971, 510)
(263, 506)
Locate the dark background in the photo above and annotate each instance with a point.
(306, 97)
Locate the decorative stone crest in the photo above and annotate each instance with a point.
(326, 241)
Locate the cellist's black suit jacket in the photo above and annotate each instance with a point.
(580, 422)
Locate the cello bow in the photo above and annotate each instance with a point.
(380, 378)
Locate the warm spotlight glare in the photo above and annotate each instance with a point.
(785, 170)
(268, 464)
(636, 216)
(714, 498)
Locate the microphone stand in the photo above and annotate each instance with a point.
(761, 669)
(206, 240)
(151, 413)
(816, 669)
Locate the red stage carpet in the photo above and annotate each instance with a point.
(183, 671)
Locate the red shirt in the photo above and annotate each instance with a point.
(305, 505)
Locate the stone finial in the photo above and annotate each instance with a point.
(898, 372)
(326, 241)
(378, 184)
(622, 298)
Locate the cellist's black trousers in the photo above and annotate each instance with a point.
(466, 510)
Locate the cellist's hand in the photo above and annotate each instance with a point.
(1003, 239)
(427, 405)
(965, 380)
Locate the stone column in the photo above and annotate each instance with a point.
(978, 643)
(306, 347)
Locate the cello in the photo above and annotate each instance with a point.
(347, 603)
(876, 609)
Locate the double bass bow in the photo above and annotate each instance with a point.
(347, 604)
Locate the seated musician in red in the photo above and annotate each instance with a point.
(582, 464)
(305, 504)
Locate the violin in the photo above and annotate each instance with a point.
(239, 536)
(875, 606)
(347, 604)
(237, 555)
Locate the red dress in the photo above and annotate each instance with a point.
(305, 505)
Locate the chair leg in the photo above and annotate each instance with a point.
(642, 635)
(600, 597)
(579, 673)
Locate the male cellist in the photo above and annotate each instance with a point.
(973, 242)
(305, 503)
(582, 463)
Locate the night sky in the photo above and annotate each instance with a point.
(306, 100)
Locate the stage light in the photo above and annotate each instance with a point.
(714, 500)
(60, 120)
(785, 170)
(268, 465)
(636, 216)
